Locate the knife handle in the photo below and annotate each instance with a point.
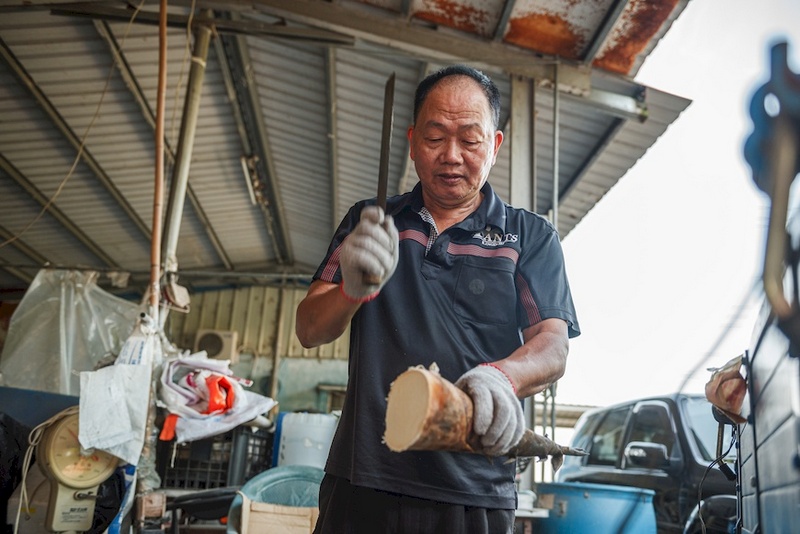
(371, 279)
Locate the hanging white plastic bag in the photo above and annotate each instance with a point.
(142, 346)
(114, 400)
(113, 410)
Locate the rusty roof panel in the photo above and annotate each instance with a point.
(639, 24)
(472, 16)
(560, 28)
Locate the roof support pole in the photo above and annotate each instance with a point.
(522, 144)
(333, 140)
(180, 174)
(556, 134)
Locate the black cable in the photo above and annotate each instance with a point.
(714, 462)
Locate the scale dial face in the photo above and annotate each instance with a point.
(60, 455)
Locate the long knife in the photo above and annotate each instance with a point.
(383, 168)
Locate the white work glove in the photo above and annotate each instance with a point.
(370, 249)
(497, 412)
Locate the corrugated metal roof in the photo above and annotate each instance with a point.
(296, 88)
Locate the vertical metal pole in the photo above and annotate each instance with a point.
(333, 156)
(555, 146)
(278, 347)
(147, 457)
(534, 153)
(556, 182)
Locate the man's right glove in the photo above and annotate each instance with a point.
(497, 412)
(370, 251)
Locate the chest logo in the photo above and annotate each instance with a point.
(493, 238)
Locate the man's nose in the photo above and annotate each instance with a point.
(451, 151)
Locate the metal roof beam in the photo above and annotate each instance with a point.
(56, 213)
(500, 29)
(15, 272)
(72, 138)
(236, 59)
(615, 104)
(236, 27)
(19, 244)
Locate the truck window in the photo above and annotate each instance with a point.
(607, 440)
(703, 429)
(652, 424)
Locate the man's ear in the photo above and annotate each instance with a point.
(410, 135)
(498, 140)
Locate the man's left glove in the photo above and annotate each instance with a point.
(497, 412)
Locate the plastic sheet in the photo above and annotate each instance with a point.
(64, 324)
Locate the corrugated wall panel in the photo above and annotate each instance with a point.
(255, 313)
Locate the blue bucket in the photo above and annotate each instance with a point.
(578, 507)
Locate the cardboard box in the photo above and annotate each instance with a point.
(258, 517)
(151, 505)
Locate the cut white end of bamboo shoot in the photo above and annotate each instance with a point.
(425, 412)
(407, 410)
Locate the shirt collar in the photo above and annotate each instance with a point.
(491, 211)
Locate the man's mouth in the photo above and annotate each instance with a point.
(450, 177)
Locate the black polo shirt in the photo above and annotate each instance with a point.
(458, 300)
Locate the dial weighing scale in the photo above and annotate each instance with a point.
(74, 474)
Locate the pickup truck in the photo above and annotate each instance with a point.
(666, 444)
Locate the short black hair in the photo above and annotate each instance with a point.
(486, 83)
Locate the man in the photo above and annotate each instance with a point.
(465, 281)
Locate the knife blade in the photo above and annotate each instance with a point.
(383, 166)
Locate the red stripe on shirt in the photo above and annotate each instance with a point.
(332, 266)
(528, 303)
(414, 235)
(475, 250)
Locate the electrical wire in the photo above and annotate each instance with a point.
(714, 462)
(749, 294)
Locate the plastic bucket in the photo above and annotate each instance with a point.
(303, 439)
(577, 507)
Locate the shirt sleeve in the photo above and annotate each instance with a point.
(328, 270)
(542, 284)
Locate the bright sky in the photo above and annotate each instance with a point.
(661, 266)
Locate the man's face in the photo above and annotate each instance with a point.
(454, 143)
